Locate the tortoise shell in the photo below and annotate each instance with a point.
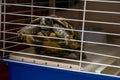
(52, 37)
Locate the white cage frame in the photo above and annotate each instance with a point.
(93, 67)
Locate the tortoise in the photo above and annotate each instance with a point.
(53, 37)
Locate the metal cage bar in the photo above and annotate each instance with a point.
(99, 36)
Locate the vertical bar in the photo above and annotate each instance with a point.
(0, 28)
(82, 35)
(52, 4)
(32, 1)
(0, 18)
(4, 25)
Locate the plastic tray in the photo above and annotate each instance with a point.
(26, 71)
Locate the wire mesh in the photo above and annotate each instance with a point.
(96, 23)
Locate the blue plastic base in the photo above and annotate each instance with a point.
(20, 71)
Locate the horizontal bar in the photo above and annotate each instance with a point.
(76, 30)
(50, 57)
(99, 54)
(41, 46)
(106, 44)
(41, 36)
(11, 38)
(94, 63)
(101, 22)
(64, 39)
(86, 62)
(105, 12)
(43, 26)
(97, 11)
(26, 15)
(68, 39)
(26, 11)
(70, 50)
(13, 29)
(96, 32)
(63, 49)
(22, 5)
(105, 1)
(29, 3)
(11, 46)
(90, 52)
(20, 20)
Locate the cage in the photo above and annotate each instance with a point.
(61, 39)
